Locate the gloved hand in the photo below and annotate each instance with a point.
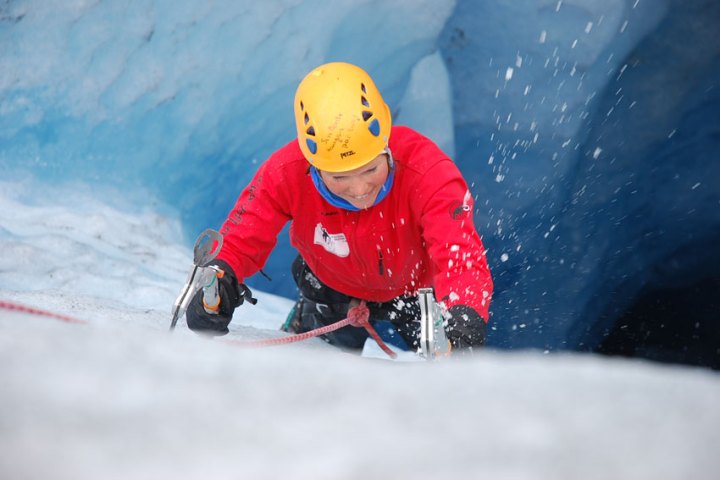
(466, 328)
(232, 295)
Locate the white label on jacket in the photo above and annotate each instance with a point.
(335, 243)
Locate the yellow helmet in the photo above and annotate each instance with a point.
(341, 118)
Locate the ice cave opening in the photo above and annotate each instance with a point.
(674, 317)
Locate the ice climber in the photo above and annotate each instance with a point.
(377, 211)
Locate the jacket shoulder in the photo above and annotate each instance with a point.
(414, 150)
(288, 158)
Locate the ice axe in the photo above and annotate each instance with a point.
(202, 275)
(433, 341)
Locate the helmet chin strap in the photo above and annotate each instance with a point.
(391, 160)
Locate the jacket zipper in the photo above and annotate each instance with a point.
(381, 268)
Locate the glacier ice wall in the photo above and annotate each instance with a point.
(180, 98)
(178, 102)
(588, 129)
(591, 131)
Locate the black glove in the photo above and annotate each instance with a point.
(232, 295)
(466, 328)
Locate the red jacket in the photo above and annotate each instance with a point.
(420, 235)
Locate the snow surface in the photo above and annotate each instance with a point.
(120, 397)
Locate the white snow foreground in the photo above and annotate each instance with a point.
(120, 397)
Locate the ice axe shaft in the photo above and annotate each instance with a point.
(211, 289)
(433, 341)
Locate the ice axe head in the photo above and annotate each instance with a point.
(207, 246)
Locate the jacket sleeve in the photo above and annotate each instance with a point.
(460, 271)
(251, 229)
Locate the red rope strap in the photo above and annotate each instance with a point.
(358, 316)
(16, 307)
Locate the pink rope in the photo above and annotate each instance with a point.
(292, 339)
(358, 316)
(16, 307)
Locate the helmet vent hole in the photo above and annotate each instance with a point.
(362, 87)
(311, 131)
(374, 127)
(312, 146)
(302, 107)
(366, 115)
(365, 102)
(307, 119)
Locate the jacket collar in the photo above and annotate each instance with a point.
(341, 202)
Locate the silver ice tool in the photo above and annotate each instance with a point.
(433, 341)
(207, 246)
